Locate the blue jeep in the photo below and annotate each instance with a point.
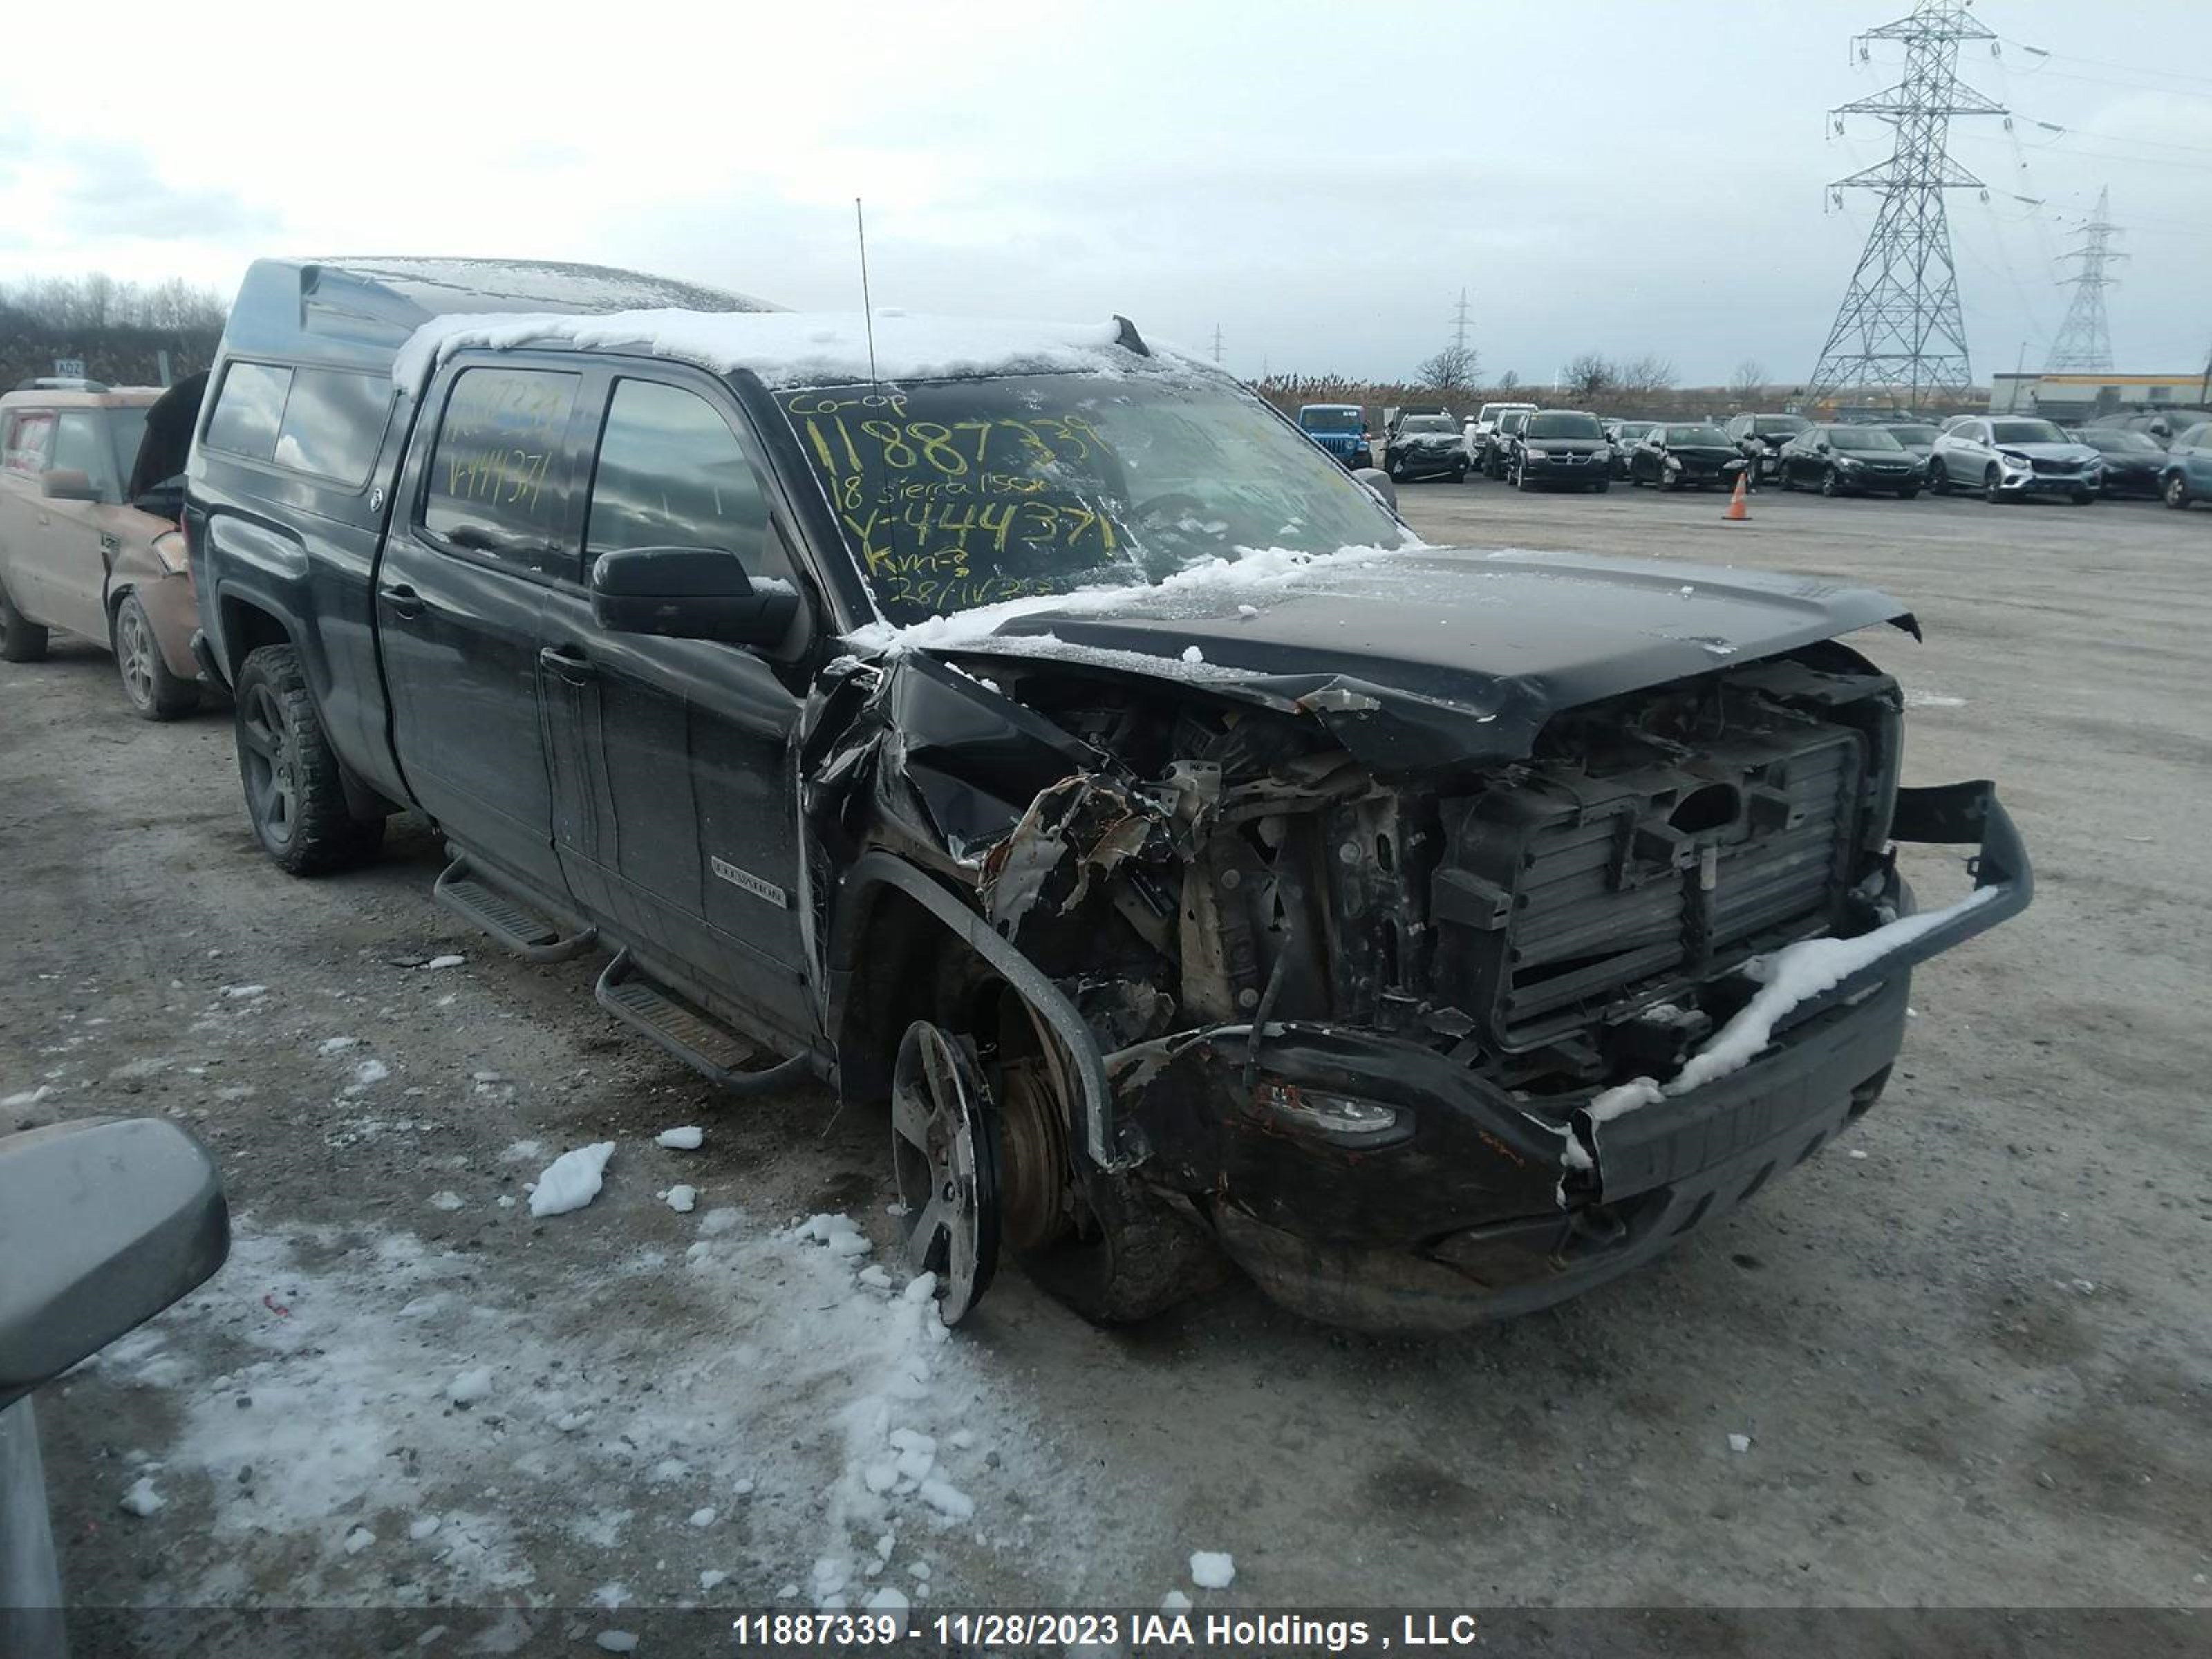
(1340, 428)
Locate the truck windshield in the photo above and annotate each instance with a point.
(1329, 420)
(954, 494)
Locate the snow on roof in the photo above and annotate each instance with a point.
(787, 348)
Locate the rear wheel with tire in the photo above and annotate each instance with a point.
(153, 692)
(21, 639)
(2176, 493)
(293, 788)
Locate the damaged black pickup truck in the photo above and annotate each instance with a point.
(1029, 727)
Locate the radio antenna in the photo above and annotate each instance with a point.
(867, 307)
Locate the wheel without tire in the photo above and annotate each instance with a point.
(21, 639)
(944, 1152)
(293, 791)
(2176, 493)
(153, 692)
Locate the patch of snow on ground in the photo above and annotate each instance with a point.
(1213, 1570)
(684, 1140)
(779, 1381)
(141, 1500)
(571, 1180)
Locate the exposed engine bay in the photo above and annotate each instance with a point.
(1515, 920)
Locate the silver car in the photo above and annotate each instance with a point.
(2009, 456)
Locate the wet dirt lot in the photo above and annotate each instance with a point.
(1970, 1348)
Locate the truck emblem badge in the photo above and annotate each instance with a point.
(751, 883)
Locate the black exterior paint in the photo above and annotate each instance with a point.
(736, 818)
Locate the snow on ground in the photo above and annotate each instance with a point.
(571, 1180)
(749, 1407)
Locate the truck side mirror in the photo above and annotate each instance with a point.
(104, 1222)
(690, 593)
(1378, 485)
(67, 483)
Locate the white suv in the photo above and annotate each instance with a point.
(2006, 457)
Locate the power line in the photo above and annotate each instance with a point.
(2085, 339)
(1899, 324)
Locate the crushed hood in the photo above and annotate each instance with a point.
(1443, 658)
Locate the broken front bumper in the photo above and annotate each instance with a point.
(1488, 1203)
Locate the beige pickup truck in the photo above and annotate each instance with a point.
(89, 543)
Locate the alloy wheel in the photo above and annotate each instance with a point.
(271, 768)
(134, 658)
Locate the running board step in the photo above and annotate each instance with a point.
(624, 991)
(522, 931)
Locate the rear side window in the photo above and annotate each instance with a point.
(333, 422)
(500, 473)
(27, 440)
(249, 409)
(672, 474)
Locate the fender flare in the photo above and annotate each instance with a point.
(1111, 1146)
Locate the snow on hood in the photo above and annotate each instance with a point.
(1414, 656)
(785, 349)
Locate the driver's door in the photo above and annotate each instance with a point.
(675, 809)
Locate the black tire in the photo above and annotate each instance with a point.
(1600, 486)
(1908, 494)
(1669, 483)
(2175, 494)
(1396, 473)
(1832, 482)
(293, 792)
(153, 692)
(1459, 473)
(21, 639)
(2083, 497)
(1938, 479)
(1787, 479)
(1520, 481)
(1990, 492)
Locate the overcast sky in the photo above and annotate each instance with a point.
(1317, 180)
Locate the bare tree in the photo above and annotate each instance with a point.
(1588, 376)
(1749, 380)
(1641, 376)
(1451, 369)
(1509, 381)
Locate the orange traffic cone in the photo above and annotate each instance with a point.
(1739, 509)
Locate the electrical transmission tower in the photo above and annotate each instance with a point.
(2084, 340)
(1899, 325)
(1217, 342)
(1459, 322)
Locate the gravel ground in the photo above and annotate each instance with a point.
(1970, 1349)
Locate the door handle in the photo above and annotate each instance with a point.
(404, 600)
(570, 663)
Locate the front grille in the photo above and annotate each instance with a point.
(2046, 464)
(1563, 899)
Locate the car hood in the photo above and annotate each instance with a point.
(1567, 445)
(1705, 452)
(1439, 657)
